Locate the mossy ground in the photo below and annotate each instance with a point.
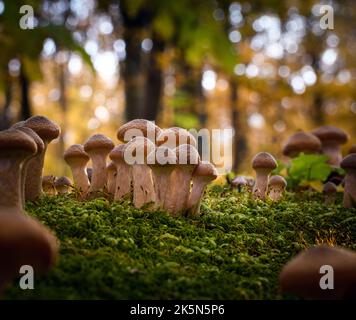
(235, 250)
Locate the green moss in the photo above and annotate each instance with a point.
(235, 250)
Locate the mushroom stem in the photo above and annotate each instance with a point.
(143, 190)
(123, 183)
(349, 200)
(161, 178)
(260, 188)
(80, 178)
(196, 196)
(275, 193)
(111, 183)
(332, 150)
(99, 172)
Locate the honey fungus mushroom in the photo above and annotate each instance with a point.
(111, 174)
(329, 190)
(276, 186)
(77, 159)
(138, 128)
(47, 130)
(63, 185)
(263, 163)
(301, 142)
(174, 137)
(331, 140)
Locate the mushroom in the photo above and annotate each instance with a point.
(276, 184)
(123, 183)
(135, 154)
(63, 185)
(203, 174)
(239, 183)
(138, 128)
(301, 142)
(162, 162)
(23, 240)
(263, 163)
(40, 148)
(47, 130)
(98, 147)
(77, 159)
(302, 275)
(331, 139)
(188, 159)
(48, 185)
(111, 173)
(349, 165)
(329, 190)
(174, 137)
(352, 149)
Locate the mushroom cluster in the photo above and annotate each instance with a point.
(155, 168)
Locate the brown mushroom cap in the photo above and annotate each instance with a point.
(98, 141)
(33, 135)
(349, 162)
(187, 154)
(301, 142)
(329, 187)
(45, 128)
(63, 182)
(14, 139)
(76, 152)
(139, 147)
(352, 149)
(327, 133)
(206, 169)
(277, 181)
(264, 160)
(177, 136)
(146, 127)
(301, 275)
(118, 152)
(18, 125)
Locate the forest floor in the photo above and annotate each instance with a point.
(234, 250)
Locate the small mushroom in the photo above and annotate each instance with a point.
(349, 165)
(77, 159)
(174, 137)
(98, 148)
(123, 183)
(352, 149)
(301, 142)
(203, 174)
(47, 130)
(331, 139)
(302, 275)
(188, 159)
(111, 173)
(138, 128)
(40, 148)
(63, 185)
(329, 190)
(23, 240)
(240, 183)
(263, 163)
(48, 185)
(135, 154)
(276, 185)
(162, 162)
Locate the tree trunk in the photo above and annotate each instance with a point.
(25, 96)
(63, 103)
(239, 140)
(5, 120)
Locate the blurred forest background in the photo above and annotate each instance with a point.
(264, 68)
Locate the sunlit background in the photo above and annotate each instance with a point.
(262, 68)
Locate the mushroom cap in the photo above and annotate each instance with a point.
(206, 169)
(63, 182)
(329, 187)
(76, 152)
(111, 167)
(330, 133)
(45, 128)
(98, 142)
(33, 243)
(187, 154)
(301, 275)
(352, 149)
(39, 142)
(118, 152)
(239, 181)
(349, 162)
(162, 156)
(17, 125)
(277, 181)
(139, 146)
(16, 140)
(301, 142)
(264, 160)
(175, 136)
(139, 127)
